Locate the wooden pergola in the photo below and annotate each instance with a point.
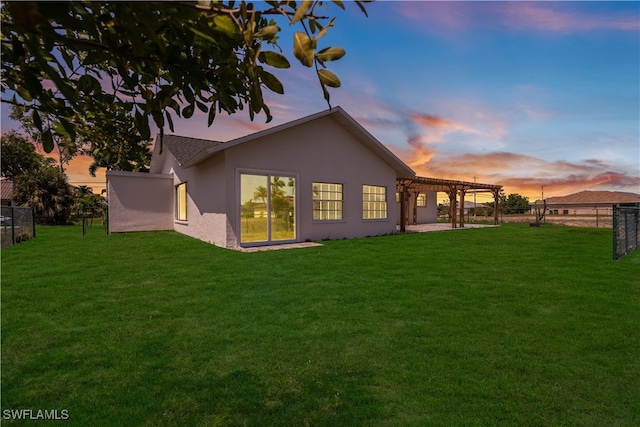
(412, 186)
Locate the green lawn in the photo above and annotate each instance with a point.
(510, 326)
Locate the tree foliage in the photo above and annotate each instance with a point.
(66, 147)
(47, 191)
(514, 203)
(87, 202)
(19, 156)
(75, 60)
(39, 181)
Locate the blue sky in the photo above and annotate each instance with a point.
(523, 94)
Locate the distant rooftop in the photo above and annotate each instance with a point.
(595, 197)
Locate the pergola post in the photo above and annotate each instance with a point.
(462, 193)
(452, 206)
(415, 207)
(496, 194)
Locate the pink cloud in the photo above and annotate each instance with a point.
(547, 17)
(449, 18)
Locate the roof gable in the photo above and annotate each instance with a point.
(337, 114)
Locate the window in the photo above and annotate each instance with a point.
(421, 201)
(374, 202)
(181, 202)
(327, 201)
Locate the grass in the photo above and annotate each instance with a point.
(501, 326)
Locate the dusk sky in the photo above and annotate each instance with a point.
(522, 94)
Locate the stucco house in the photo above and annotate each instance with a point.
(319, 177)
(588, 202)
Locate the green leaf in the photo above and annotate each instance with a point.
(36, 120)
(323, 30)
(212, 115)
(47, 141)
(142, 122)
(69, 128)
(169, 120)
(303, 49)
(272, 82)
(362, 8)
(331, 54)
(225, 25)
(158, 118)
(326, 95)
(200, 34)
(267, 33)
(338, 3)
(24, 93)
(274, 59)
(88, 84)
(60, 130)
(188, 94)
(188, 111)
(301, 11)
(328, 78)
(202, 106)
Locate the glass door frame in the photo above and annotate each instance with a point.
(269, 174)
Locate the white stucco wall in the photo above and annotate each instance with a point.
(206, 217)
(139, 201)
(426, 214)
(318, 151)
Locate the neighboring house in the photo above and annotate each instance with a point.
(7, 188)
(588, 202)
(319, 177)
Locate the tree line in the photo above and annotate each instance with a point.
(42, 184)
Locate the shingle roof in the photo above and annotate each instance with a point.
(6, 189)
(185, 148)
(585, 197)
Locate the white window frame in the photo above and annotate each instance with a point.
(374, 202)
(184, 198)
(329, 207)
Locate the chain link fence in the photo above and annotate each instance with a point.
(626, 230)
(17, 224)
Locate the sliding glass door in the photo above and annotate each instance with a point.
(267, 208)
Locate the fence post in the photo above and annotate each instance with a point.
(626, 233)
(615, 231)
(13, 225)
(33, 220)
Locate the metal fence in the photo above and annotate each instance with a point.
(17, 224)
(626, 230)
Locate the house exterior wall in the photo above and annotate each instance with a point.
(580, 209)
(425, 214)
(206, 216)
(319, 151)
(139, 201)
